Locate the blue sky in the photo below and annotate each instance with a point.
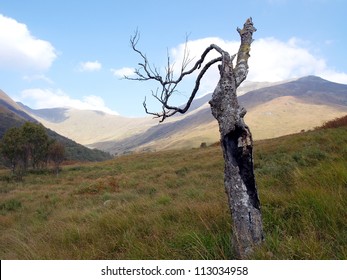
(72, 53)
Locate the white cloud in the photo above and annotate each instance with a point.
(39, 77)
(194, 50)
(125, 71)
(48, 98)
(334, 76)
(20, 50)
(271, 60)
(90, 66)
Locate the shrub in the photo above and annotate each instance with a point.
(10, 205)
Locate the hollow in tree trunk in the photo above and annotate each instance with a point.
(237, 146)
(236, 138)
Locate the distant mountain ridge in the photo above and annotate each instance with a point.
(274, 109)
(54, 115)
(310, 89)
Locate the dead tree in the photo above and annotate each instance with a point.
(236, 139)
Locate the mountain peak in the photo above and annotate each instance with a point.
(317, 80)
(311, 78)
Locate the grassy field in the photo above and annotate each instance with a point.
(172, 205)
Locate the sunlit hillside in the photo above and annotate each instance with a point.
(172, 205)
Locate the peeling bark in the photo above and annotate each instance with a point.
(237, 145)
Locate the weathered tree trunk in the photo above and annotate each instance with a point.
(237, 145)
(236, 139)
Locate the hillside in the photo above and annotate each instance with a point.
(273, 110)
(87, 126)
(172, 204)
(12, 115)
(117, 134)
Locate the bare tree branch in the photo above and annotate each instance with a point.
(236, 138)
(168, 84)
(150, 73)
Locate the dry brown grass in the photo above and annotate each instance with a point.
(172, 205)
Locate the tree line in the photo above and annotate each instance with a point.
(29, 146)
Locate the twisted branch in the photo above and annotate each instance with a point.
(168, 83)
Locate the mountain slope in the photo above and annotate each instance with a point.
(87, 126)
(12, 115)
(54, 115)
(160, 136)
(311, 89)
(171, 205)
(92, 127)
(273, 111)
(286, 115)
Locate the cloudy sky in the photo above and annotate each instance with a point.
(73, 53)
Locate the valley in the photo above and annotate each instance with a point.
(172, 204)
(274, 109)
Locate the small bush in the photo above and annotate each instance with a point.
(109, 184)
(338, 122)
(10, 205)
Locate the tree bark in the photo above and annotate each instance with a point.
(236, 138)
(237, 146)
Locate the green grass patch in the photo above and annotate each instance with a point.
(172, 205)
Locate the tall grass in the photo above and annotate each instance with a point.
(172, 205)
(303, 183)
